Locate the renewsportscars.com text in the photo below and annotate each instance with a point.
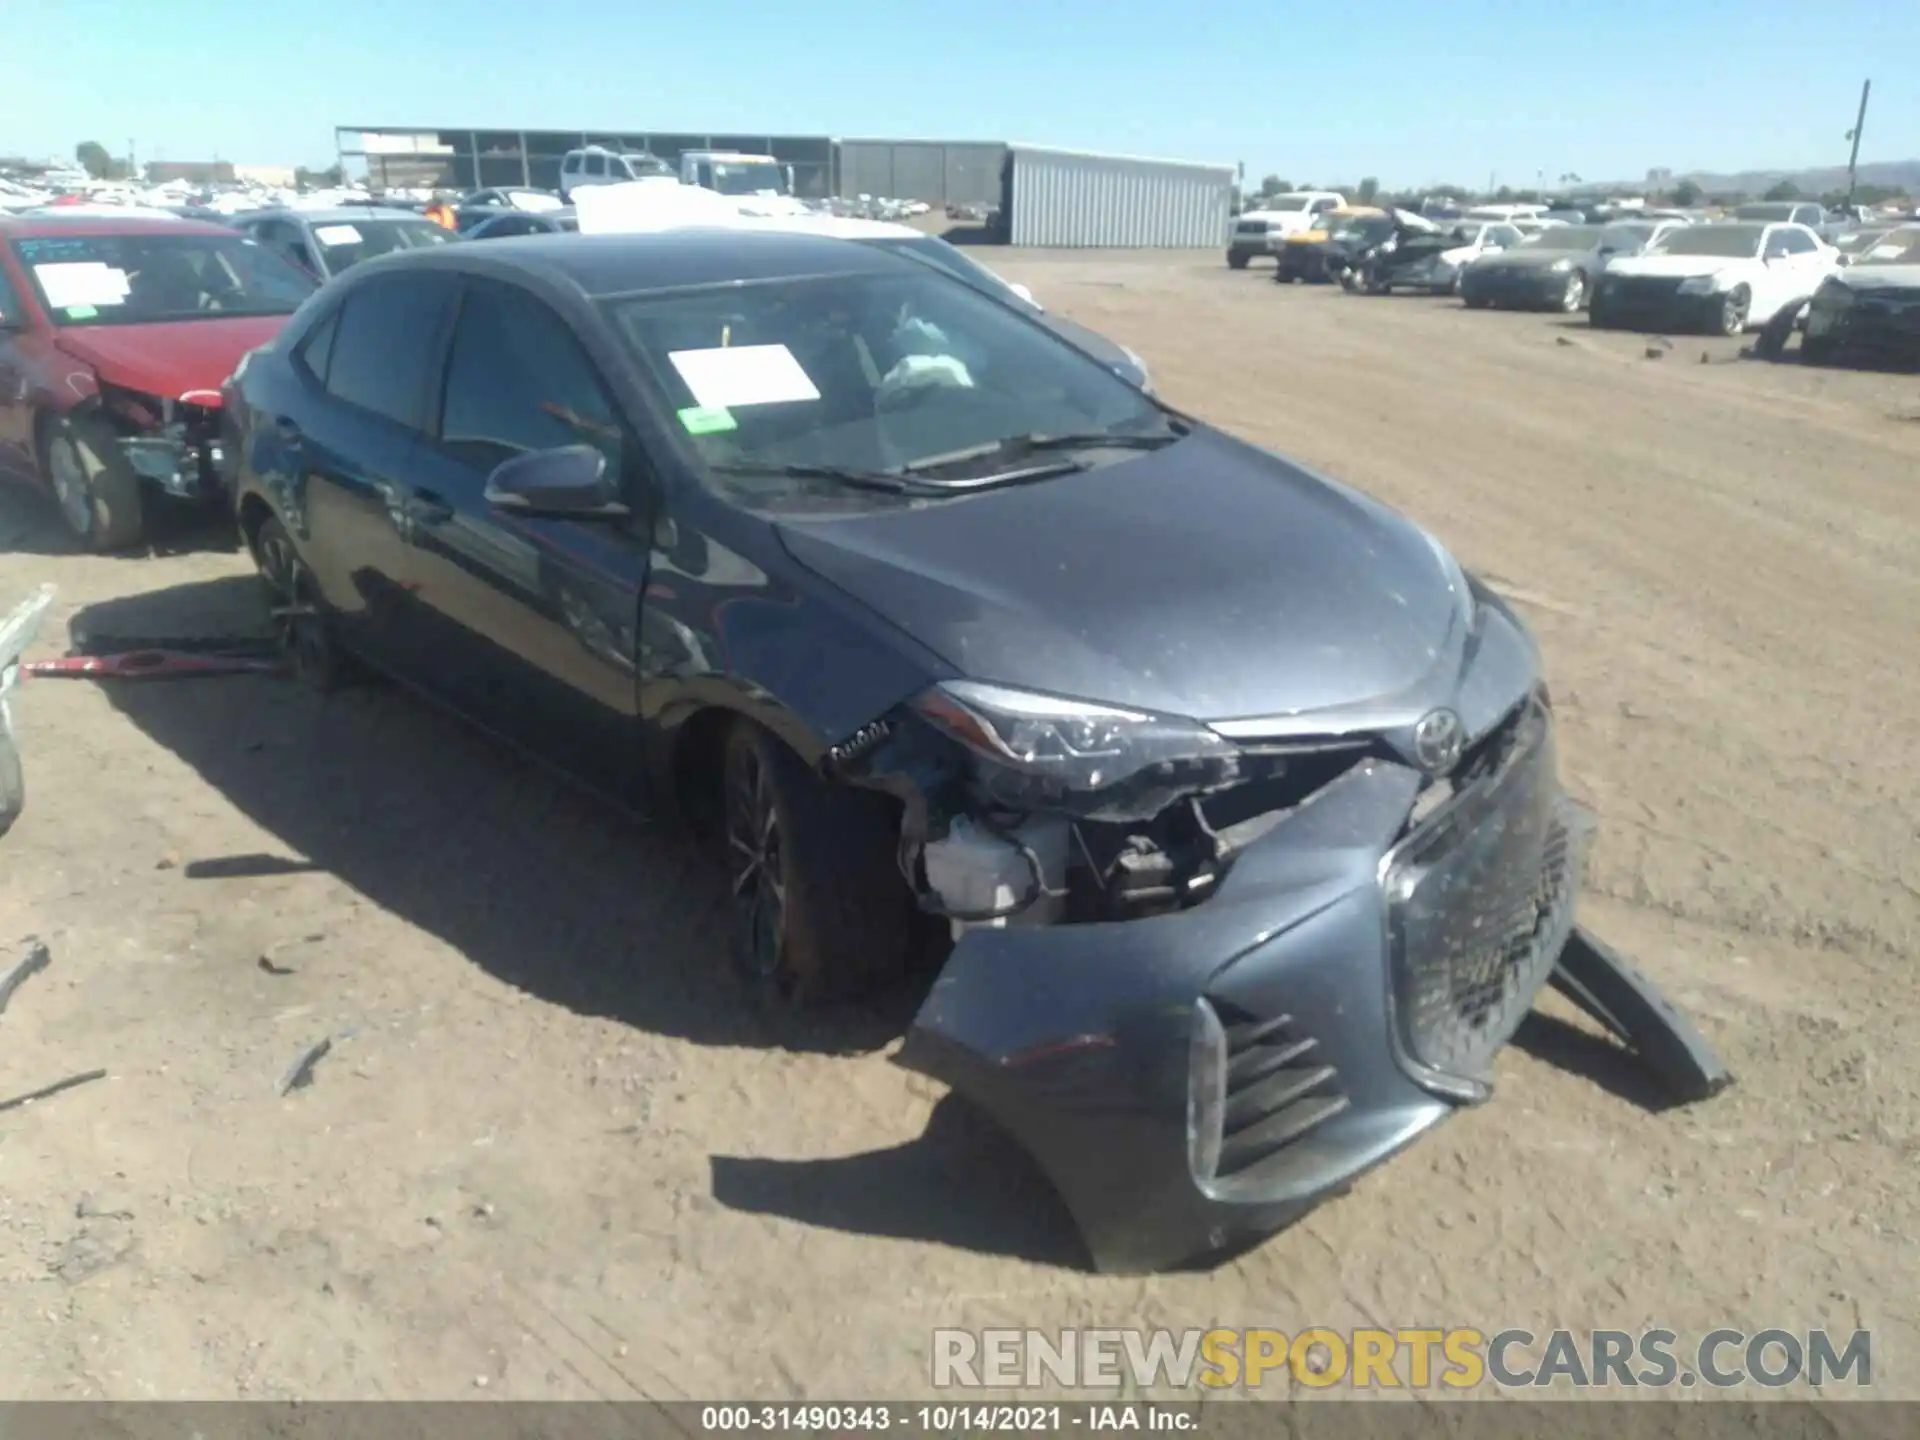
(1458, 1359)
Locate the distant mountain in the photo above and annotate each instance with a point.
(1892, 174)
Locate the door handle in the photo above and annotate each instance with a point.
(427, 508)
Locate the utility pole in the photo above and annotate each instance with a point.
(1853, 159)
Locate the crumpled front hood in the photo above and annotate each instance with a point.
(1208, 579)
(1882, 277)
(169, 359)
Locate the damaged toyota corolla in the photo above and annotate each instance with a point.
(1231, 797)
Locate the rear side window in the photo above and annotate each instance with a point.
(595, 164)
(518, 380)
(1796, 242)
(382, 351)
(571, 164)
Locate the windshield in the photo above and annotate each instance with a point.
(344, 243)
(1764, 212)
(931, 250)
(867, 373)
(535, 201)
(1283, 202)
(1727, 242)
(142, 279)
(747, 177)
(1364, 227)
(1896, 247)
(643, 164)
(1626, 237)
(1564, 237)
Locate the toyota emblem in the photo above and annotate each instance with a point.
(1437, 742)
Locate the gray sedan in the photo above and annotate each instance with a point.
(1555, 269)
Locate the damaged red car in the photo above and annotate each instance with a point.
(115, 337)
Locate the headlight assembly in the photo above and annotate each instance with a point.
(1069, 745)
(1700, 285)
(1560, 267)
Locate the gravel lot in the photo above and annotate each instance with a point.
(552, 1158)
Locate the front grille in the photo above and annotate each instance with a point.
(1252, 229)
(1479, 904)
(1276, 1088)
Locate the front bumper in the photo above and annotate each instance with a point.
(1197, 1080)
(1529, 289)
(1249, 246)
(1875, 329)
(1638, 303)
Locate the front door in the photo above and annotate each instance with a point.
(530, 622)
(16, 415)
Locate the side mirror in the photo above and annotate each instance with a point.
(787, 170)
(568, 483)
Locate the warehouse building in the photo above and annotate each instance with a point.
(1047, 196)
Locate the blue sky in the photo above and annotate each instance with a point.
(1410, 91)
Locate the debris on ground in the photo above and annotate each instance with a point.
(300, 1074)
(266, 964)
(91, 1249)
(85, 1077)
(37, 959)
(91, 1207)
(150, 665)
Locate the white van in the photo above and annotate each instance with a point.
(597, 165)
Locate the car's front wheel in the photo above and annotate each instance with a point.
(820, 911)
(1732, 319)
(1236, 261)
(1573, 294)
(98, 492)
(306, 630)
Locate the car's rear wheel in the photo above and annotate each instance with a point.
(99, 495)
(1732, 319)
(1817, 350)
(1236, 262)
(1573, 294)
(820, 911)
(306, 630)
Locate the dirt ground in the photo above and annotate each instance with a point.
(549, 1156)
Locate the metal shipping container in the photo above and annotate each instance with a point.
(1073, 198)
(940, 172)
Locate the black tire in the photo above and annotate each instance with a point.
(1474, 302)
(1236, 262)
(1817, 350)
(1599, 319)
(820, 910)
(308, 634)
(1772, 341)
(100, 497)
(1732, 319)
(1573, 294)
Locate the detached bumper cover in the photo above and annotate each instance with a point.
(17, 631)
(1879, 327)
(1521, 287)
(177, 465)
(1196, 1080)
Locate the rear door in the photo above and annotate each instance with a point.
(531, 623)
(355, 427)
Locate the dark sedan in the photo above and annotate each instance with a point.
(1871, 310)
(1233, 800)
(504, 224)
(1555, 269)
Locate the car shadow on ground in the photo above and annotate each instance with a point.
(542, 887)
(963, 1182)
(30, 524)
(1609, 1065)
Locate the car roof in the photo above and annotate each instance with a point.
(658, 260)
(334, 215)
(22, 227)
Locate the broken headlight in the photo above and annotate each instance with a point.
(1069, 745)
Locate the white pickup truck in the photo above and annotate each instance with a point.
(1262, 230)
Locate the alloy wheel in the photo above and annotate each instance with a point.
(754, 864)
(69, 477)
(1733, 314)
(291, 590)
(1574, 295)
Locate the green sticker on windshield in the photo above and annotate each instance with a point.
(708, 419)
(81, 312)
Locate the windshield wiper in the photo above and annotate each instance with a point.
(891, 482)
(1037, 441)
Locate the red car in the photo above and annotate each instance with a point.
(116, 334)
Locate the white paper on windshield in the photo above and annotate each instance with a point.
(737, 375)
(336, 235)
(76, 283)
(638, 207)
(1886, 252)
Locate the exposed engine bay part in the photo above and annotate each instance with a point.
(17, 631)
(175, 443)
